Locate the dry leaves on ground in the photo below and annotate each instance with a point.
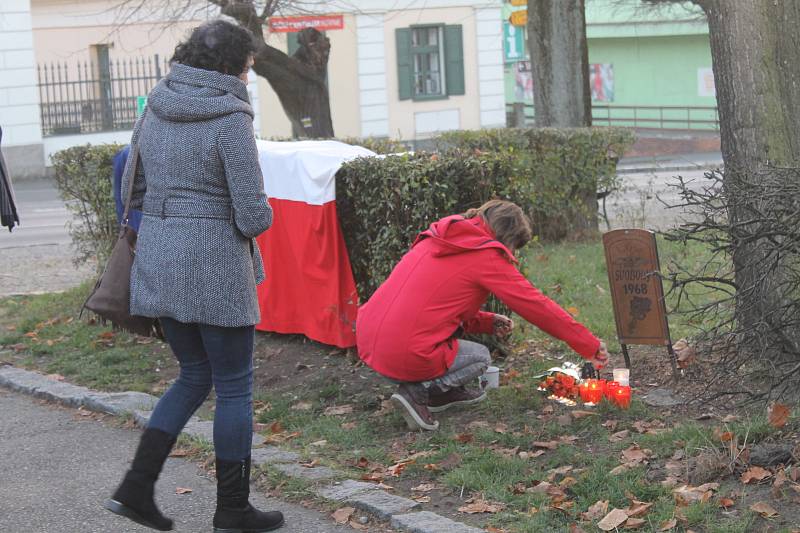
(550, 445)
(726, 502)
(424, 487)
(596, 510)
(613, 520)
(339, 410)
(475, 506)
(578, 414)
(687, 495)
(685, 353)
(465, 438)
(755, 473)
(302, 406)
(778, 414)
(764, 509)
(619, 436)
(182, 490)
(668, 525)
(342, 516)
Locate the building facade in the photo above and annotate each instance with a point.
(76, 72)
(654, 62)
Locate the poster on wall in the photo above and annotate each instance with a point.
(705, 82)
(601, 80)
(523, 81)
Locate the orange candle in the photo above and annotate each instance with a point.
(622, 396)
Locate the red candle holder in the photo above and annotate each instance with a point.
(594, 391)
(610, 389)
(622, 396)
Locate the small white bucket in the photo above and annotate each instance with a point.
(622, 376)
(490, 378)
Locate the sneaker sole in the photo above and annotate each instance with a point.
(260, 530)
(440, 408)
(123, 510)
(410, 415)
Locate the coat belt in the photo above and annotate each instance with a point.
(184, 208)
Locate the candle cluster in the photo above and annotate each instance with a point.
(592, 392)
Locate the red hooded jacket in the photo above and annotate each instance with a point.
(406, 330)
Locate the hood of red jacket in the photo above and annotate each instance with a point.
(456, 234)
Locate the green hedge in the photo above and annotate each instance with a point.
(83, 177)
(554, 175)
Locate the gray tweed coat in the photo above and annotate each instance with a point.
(200, 187)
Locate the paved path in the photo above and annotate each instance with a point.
(56, 469)
(37, 255)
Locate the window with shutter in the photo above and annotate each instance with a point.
(430, 62)
(405, 73)
(454, 59)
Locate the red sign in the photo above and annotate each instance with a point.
(295, 24)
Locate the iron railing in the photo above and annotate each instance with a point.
(655, 117)
(86, 97)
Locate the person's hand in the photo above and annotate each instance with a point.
(600, 359)
(503, 326)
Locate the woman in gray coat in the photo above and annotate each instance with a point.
(201, 191)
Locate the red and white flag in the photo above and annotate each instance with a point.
(309, 287)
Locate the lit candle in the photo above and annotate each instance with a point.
(611, 389)
(583, 390)
(595, 392)
(622, 396)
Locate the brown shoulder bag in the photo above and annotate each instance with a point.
(111, 296)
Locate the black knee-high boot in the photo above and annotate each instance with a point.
(134, 497)
(234, 512)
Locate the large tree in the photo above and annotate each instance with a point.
(560, 63)
(299, 80)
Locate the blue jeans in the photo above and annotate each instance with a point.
(218, 356)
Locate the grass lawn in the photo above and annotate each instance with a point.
(538, 465)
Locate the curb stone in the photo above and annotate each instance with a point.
(362, 495)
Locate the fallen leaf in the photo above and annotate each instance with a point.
(478, 424)
(319, 443)
(596, 510)
(481, 506)
(349, 425)
(357, 525)
(501, 428)
(619, 469)
(638, 508)
(634, 454)
(755, 473)
(685, 353)
(619, 436)
(726, 502)
(424, 487)
(531, 455)
(610, 424)
(686, 494)
(372, 476)
(182, 490)
(421, 499)
(778, 415)
(634, 523)
(550, 445)
(179, 452)
(613, 520)
(465, 438)
(339, 410)
(726, 437)
(310, 464)
(578, 414)
(276, 427)
(667, 525)
(432, 467)
(764, 509)
(342, 516)
(302, 406)
(396, 469)
(573, 311)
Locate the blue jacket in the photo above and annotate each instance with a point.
(134, 215)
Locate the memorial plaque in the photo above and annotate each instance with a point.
(636, 289)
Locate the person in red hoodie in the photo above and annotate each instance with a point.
(409, 329)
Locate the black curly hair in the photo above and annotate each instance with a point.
(217, 45)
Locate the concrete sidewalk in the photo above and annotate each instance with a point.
(670, 163)
(57, 469)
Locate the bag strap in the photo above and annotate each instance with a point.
(134, 163)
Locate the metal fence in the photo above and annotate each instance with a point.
(88, 97)
(656, 117)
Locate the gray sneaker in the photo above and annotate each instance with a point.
(455, 397)
(416, 415)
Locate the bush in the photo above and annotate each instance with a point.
(554, 175)
(83, 177)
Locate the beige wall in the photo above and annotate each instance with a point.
(64, 30)
(401, 113)
(343, 85)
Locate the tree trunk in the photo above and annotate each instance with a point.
(299, 81)
(560, 63)
(754, 47)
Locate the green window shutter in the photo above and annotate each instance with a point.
(405, 68)
(454, 59)
(293, 44)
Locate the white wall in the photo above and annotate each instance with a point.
(491, 81)
(19, 99)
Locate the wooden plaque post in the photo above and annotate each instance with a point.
(636, 291)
